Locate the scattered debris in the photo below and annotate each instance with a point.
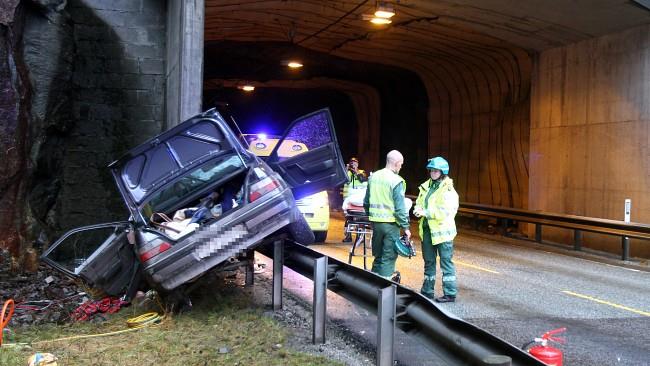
(44, 296)
(90, 308)
(42, 359)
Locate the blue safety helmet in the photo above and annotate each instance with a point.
(404, 247)
(438, 163)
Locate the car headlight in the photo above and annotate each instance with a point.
(315, 201)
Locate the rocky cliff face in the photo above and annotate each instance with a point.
(14, 128)
(81, 82)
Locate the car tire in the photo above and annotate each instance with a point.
(300, 231)
(320, 236)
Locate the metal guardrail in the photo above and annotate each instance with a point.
(576, 223)
(452, 339)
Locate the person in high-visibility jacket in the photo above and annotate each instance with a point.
(356, 177)
(384, 203)
(436, 206)
(357, 180)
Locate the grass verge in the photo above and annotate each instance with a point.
(225, 327)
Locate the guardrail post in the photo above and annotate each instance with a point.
(626, 248)
(386, 326)
(497, 360)
(538, 233)
(504, 226)
(250, 268)
(475, 222)
(577, 240)
(278, 263)
(320, 300)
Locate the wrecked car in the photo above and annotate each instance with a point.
(199, 199)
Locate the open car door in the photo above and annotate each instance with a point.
(308, 156)
(100, 255)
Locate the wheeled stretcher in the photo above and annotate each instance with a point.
(359, 226)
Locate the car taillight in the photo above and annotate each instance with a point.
(160, 248)
(263, 187)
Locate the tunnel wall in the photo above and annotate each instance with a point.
(590, 115)
(479, 118)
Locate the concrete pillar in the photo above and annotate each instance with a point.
(184, 69)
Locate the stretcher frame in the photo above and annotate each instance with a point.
(358, 223)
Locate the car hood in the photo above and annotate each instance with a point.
(162, 159)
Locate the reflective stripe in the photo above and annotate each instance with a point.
(443, 233)
(448, 278)
(381, 206)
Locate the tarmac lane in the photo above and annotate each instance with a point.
(516, 291)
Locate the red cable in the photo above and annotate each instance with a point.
(4, 322)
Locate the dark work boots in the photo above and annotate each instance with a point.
(446, 298)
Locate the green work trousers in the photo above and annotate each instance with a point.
(384, 235)
(429, 252)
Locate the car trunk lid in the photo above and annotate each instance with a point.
(148, 167)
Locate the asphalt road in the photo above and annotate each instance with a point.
(518, 291)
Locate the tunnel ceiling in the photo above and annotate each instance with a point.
(337, 27)
(472, 62)
(432, 38)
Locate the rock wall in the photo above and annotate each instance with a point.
(14, 129)
(82, 82)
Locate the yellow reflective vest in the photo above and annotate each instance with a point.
(439, 210)
(381, 206)
(353, 182)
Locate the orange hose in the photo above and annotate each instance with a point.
(4, 322)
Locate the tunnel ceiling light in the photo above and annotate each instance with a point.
(380, 21)
(294, 64)
(384, 10)
(247, 88)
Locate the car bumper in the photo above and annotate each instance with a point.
(318, 219)
(225, 238)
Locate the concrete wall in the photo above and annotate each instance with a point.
(117, 100)
(590, 118)
(184, 67)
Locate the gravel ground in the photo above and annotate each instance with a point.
(295, 316)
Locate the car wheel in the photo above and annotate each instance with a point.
(301, 232)
(320, 236)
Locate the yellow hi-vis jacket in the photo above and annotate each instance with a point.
(381, 206)
(353, 182)
(439, 210)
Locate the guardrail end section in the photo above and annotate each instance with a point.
(497, 360)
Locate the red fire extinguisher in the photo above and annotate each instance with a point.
(545, 353)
